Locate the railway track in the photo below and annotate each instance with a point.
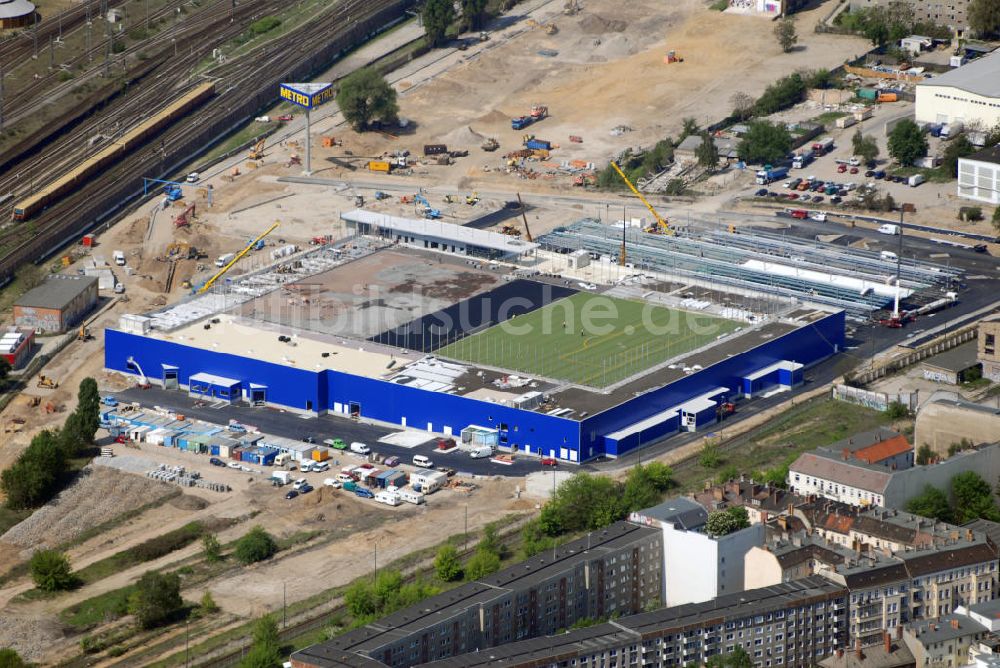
(243, 87)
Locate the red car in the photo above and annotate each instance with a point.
(550, 461)
(854, 170)
(285, 117)
(841, 168)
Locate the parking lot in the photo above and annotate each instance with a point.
(295, 426)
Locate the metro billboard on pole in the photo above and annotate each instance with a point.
(307, 95)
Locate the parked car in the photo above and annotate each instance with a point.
(761, 193)
(193, 177)
(422, 461)
(332, 482)
(392, 460)
(308, 439)
(835, 200)
(550, 461)
(841, 169)
(364, 492)
(233, 465)
(305, 489)
(854, 170)
(215, 461)
(869, 173)
(793, 196)
(300, 483)
(818, 199)
(291, 494)
(336, 443)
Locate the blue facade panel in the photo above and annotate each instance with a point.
(807, 345)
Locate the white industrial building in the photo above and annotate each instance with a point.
(965, 94)
(979, 176)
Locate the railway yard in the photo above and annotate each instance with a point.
(345, 326)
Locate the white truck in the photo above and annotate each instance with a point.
(410, 496)
(951, 130)
(916, 180)
(281, 478)
(223, 260)
(888, 228)
(119, 257)
(482, 452)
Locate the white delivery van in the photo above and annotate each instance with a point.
(388, 498)
(306, 465)
(360, 448)
(422, 461)
(888, 228)
(888, 256)
(223, 260)
(410, 496)
(482, 452)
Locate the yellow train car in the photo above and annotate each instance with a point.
(53, 191)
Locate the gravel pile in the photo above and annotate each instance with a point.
(30, 637)
(100, 494)
(127, 463)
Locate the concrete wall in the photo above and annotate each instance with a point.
(910, 483)
(697, 567)
(941, 424)
(988, 349)
(979, 181)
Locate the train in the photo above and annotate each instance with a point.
(35, 203)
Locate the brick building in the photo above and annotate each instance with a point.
(56, 304)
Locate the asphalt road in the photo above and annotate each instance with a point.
(292, 425)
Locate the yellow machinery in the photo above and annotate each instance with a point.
(236, 259)
(524, 216)
(47, 381)
(257, 152)
(662, 226)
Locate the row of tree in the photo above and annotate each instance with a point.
(887, 24)
(439, 15)
(40, 472)
(971, 498)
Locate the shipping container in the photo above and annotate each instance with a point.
(435, 149)
(350, 486)
(846, 122)
(379, 166)
(867, 93)
(320, 454)
(538, 144)
(888, 97)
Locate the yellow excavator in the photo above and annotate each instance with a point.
(257, 152)
(219, 274)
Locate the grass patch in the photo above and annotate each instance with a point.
(98, 609)
(935, 175)
(829, 117)
(719, 5)
(9, 518)
(154, 548)
(247, 134)
(801, 428)
(590, 339)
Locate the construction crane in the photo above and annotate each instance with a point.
(527, 232)
(182, 218)
(257, 152)
(662, 226)
(236, 259)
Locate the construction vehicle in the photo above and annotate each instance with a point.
(47, 382)
(539, 111)
(672, 57)
(510, 230)
(448, 199)
(429, 211)
(208, 284)
(490, 144)
(571, 7)
(181, 250)
(330, 142)
(524, 217)
(257, 152)
(473, 199)
(379, 195)
(83, 334)
(182, 218)
(173, 192)
(661, 226)
(293, 160)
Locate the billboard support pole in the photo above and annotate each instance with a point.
(308, 170)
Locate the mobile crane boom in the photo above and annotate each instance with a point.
(236, 259)
(661, 223)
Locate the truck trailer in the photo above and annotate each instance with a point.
(766, 176)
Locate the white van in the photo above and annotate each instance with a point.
(223, 260)
(319, 467)
(306, 465)
(410, 496)
(422, 461)
(482, 452)
(388, 498)
(888, 256)
(119, 257)
(888, 229)
(360, 448)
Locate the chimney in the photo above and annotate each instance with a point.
(845, 454)
(717, 493)
(953, 535)
(857, 649)
(887, 639)
(968, 535)
(954, 624)
(783, 523)
(791, 508)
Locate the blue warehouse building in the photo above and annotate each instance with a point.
(228, 358)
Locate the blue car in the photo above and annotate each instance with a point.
(305, 489)
(364, 493)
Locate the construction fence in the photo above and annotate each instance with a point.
(883, 368)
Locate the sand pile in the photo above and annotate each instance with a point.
(462, 136)
(592, 24)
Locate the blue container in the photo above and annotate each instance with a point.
(538, 144)
(214, 450)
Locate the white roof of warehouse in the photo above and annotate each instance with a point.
(442, 230)
(981, 76)
(12, 9)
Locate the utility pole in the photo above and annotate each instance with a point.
(1, 96)
(34, 37)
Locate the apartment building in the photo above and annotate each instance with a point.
(943, 642)
(988, 351)
(612, 572)
(788, 625)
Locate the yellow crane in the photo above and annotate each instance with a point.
(236, 259)
(661, 223)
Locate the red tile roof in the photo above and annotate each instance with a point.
(883, 450)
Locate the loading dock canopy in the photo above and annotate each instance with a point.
(783, 365)
(207, 383)
(643, 425)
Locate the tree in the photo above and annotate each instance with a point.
(473, 13)
(582, 502)
(51, 572)
(447, 565)
(996, 220)
(639, 490)
(783, 93)
(957, 148)
(867, 150)
(710, 457)
(4, 370)
(438, 16)
(490, 542)
(784, 32)
(925, 455)
(932, 503)
(256, 545)
(689, 127)
(365, 97)
(208, 604)
(725, 522)
(211, 548)
(707, 152)
(765, 143)
(265, 650)
(984, 17)
(896, 410)
(481, 564)
(157, 597)
(36, 475)
(742, 105)
(907, 142)
(88, 409)
(973, 498)
(9, 658)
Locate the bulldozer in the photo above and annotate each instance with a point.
(257, 152)
(472, 199)
(490, 144)
(672, 57)
(180, 250)
(47, 382)
(510, 230)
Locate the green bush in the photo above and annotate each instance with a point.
(51, 572)
(971, 214)
(162, 545)
(266, 24)
(255, 545)
(156, 599)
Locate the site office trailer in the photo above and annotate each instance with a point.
(807, 345)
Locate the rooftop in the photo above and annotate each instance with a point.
(949, 627)
(12, 9)
(851, 473)
(874, 656)
(957, 359)
(678, 511)
(56, 292)
(504, 243)
(991, 154)
(980, 77)
(868, 447)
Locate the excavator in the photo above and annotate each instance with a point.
(257, 152)
(182, 218)
(661, 226)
